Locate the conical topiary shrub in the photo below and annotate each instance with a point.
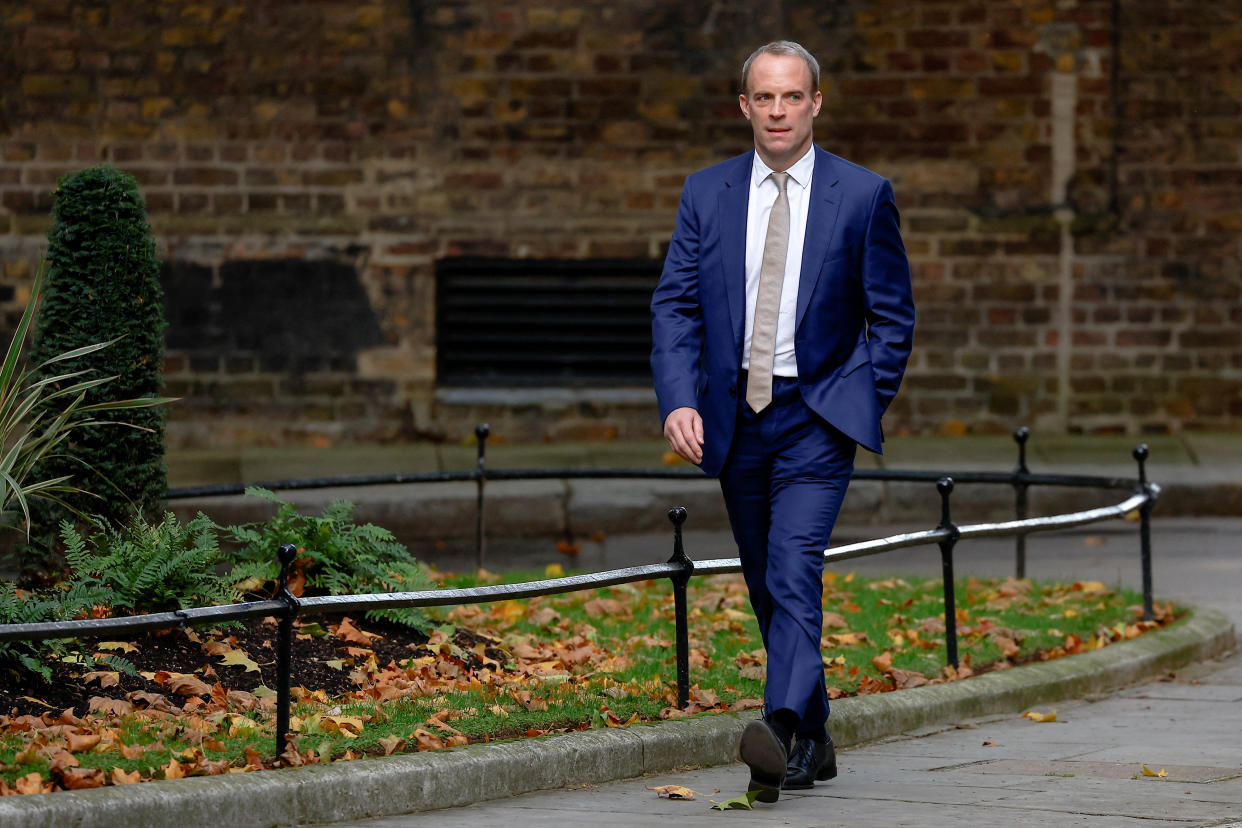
(103, 285)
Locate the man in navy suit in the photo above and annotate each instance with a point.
(781, 327)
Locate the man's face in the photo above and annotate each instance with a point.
(781, 106)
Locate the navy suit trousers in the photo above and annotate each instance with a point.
(783, 483)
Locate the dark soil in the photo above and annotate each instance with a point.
(24, 692)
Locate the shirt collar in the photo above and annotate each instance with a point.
(799, 172)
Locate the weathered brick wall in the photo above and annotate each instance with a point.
(1072, 219)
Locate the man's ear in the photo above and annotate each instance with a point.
(818, 101)
(744, 105)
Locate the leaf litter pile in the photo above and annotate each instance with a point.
(202, 701)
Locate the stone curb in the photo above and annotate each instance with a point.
(442, 779)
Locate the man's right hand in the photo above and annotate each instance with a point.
(684, 431)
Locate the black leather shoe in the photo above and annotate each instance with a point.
(766, 754)
(810, 761)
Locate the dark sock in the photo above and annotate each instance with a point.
(784, 722)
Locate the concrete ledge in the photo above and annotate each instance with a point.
(442, 779)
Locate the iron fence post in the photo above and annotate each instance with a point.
(678, 515)
(481, 432)
(1140, 455)
(1020, 486)
(284, 644)
(945, 487)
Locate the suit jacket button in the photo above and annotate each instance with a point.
(733, 391)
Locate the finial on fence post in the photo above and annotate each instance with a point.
(481, 432)
(945, 486)
(1140, 455)
(677, 515)
(1020, 436)
(284, 644)
(286, 554)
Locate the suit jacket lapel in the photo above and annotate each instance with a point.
(821, 220)
(734, 203)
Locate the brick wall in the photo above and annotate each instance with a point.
(1072, 218)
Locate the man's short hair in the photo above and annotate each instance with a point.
(783, 47)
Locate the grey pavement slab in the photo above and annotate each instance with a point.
(426, 781)
(1084, 769)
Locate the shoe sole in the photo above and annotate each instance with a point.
(763, 754)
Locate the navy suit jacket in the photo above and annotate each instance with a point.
(855, 312)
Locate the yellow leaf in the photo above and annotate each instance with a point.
(238, 658)
(1039, 717)
(249, 584)
(848, 578)
(123, 646)
(673, 792)
(347, 726)
(1088, 586)
(553, 571)
(1149, 772)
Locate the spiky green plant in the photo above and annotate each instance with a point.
(40, 409)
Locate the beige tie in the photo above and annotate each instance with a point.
(768, 301)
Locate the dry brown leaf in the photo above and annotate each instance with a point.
(391, 743)
(600, 607)
(106, 678)
(834, 620)
(346, 631)
(77, 779)
(59, 759)
(906, 679)
(79, 742)
(173, 770)
(704, 698)
(117, 707)
(132, 751)
(120, 777)
(883, 662)
(426, 740)
(32, 783)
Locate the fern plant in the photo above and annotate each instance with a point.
(150, 567)
(21, 607)
(336, 555)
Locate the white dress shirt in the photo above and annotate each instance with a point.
(763, 192)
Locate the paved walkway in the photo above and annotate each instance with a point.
(1084, 769)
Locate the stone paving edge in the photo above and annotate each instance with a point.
(442, 779)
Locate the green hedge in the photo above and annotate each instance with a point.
(103, 284)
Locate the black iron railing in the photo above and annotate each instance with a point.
(678, 569)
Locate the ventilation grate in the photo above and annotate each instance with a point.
(528, 322)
